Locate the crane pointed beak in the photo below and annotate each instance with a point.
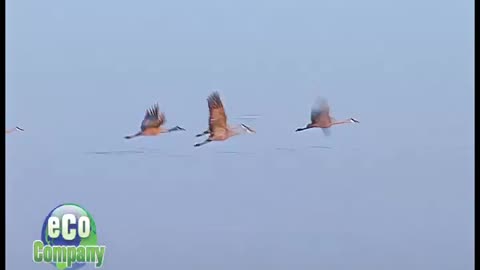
(354, 120)
(177, 128)
(248, 129)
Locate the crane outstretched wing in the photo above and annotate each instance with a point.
(154, 118)
(217, 121)
(320, 113)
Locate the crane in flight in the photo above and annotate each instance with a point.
(152, 124)
(320, 118)
(218, 129)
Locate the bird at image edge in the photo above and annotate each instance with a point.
(8, 131)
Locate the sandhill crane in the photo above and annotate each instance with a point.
(152, 124)
(13, 130)
(320, 117)
(206, 132)
(218, 128)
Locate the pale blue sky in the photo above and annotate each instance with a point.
(394, 192)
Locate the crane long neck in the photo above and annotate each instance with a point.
(237, 130)
(341, 122)
(13, 130)
(234, 131)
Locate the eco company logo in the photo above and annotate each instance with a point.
(69, 239)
